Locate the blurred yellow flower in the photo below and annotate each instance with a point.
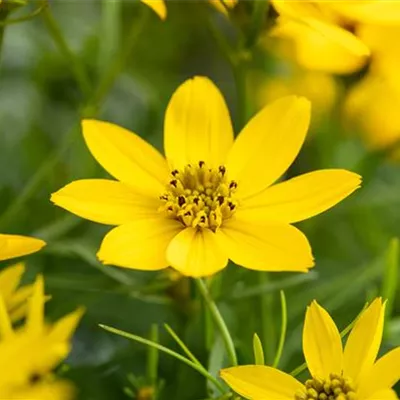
(12, 246)
(14, 297)
(212, 198)
(351, 374)
(320, 39)
(30, 353)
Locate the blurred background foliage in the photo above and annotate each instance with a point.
(143, 60)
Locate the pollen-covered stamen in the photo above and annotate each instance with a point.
(336, 387)
(200, 196)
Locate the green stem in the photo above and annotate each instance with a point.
(219, 321)
(163, 349)
(77, 68)
(283, 330)
(239, 73)
(260, 11)
(267, 321)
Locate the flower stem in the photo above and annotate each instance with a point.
(77, 68)
(219, 321)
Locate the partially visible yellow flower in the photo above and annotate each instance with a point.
(29, 353)
(12, 246)
(14, 297)
(212, 198)
(352, 374)
(159, 6)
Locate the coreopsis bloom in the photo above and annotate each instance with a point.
(212, 198)
(352, 374)
(12, 246)
(29, 353)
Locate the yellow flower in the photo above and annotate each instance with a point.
(320, 39)
(30, 353)
(160, 8)
(12, 246)
(212, 198)
(14, 297)
(352, 374)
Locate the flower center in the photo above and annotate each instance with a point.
(336, 387)
(199, 196)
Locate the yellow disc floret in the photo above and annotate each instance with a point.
(199, 196)
(336, 387)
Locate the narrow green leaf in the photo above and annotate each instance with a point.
(258, 350)
(282, 337)
(391, 276)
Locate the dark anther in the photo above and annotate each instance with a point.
(164, 197)
(34, 378)
(175, 172)
(231, 206)
(220, 200)
(222, 170)
(202, 219)
(174, 182)
(233, 185)
(196, 201)
(170, 208)
(187, 213)
(201, 163)
(181, 201)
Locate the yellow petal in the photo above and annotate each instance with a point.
(258, 382)
(12, 246)
(64, 328)
(158, 6)
(383, 375)
(5, 324)
(385, 394)
(223, 5)
(372, 11)
(269, 246)
(44, 390)
(195, 252)
(268, 144)
(126, 156)
(141, 244)
(301, 197)
(9, 280)
(322, 345)
(197, 125)
(35, 319)
(105, 201)
(363, 343)
(321, 46)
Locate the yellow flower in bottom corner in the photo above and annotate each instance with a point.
(28, 354)
(212, 198)
(352, 374)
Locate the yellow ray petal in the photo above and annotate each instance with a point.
(301, 197)
(5, 324)
(140, 244)
(195, 252)
(268, 144)
(47, 390)
(386, 394)
(158, 6)
(323, 47)
(64, 328)
(197, 125)
(370, 12)
(126, 156)
(9, 280)
(35, 319)
(105, 201)
(12, 246)
(363, 343)
(261, 382)
(322, 345)
(265, 246)
(383, 375)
